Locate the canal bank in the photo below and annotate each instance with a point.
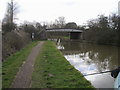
(52, 70)
(92, 58)
(12, 64)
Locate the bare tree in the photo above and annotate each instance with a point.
(12, 9)
(60, 22)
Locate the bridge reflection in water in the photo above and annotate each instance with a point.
(91, 58)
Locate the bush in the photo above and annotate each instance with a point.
(14, 41)
(102, 36)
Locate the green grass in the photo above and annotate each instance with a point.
(12, 64)
(66, 37)
(52, 70)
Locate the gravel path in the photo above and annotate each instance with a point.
(23, 77)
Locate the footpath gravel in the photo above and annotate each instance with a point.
(23, 77)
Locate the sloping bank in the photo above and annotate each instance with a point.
(12, 64)
(52, 70)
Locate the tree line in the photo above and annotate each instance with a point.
(103, 30)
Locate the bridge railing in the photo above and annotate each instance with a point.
(63, 30)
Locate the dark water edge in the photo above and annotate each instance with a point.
(92, 42)
(92, 58)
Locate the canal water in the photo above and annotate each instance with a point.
(92, 58)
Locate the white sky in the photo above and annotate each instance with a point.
(78, 11)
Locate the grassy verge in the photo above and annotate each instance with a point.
(52, 70)
(12, 64)
(65, 37)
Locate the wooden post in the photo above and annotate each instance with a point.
(33, 36)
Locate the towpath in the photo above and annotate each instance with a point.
(23, 77)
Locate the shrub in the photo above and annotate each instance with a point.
(102, 36)
(14, 41)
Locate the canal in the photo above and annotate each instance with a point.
(92, 58)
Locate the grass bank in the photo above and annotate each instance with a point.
(12, 64)
(66, 37)
(52, 70)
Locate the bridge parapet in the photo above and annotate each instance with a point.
(63, 30)
(71, 33)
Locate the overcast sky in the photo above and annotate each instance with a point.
(78, 11)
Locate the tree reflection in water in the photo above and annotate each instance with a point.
(92, 58)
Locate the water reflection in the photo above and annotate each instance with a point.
(91, 58)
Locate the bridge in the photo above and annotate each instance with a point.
(72, 33)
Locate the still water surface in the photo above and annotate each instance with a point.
(92, 58)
